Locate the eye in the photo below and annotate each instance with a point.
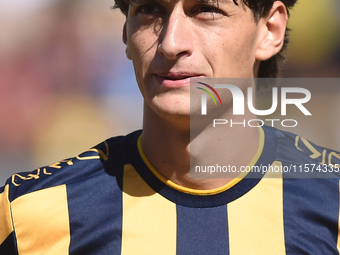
(150, 9)
(208, 12)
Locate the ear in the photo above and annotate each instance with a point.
(272, 32)
(127, 51)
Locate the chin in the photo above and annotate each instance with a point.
(169, 113)
(176, 112)
(172, 105)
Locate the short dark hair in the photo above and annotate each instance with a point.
(269, 68)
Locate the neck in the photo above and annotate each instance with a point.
(169, 148)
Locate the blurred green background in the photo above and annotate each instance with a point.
(65, 84)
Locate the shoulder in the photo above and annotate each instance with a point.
(295, 150)
(107, 158)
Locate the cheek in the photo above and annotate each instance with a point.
(246, 39)
(231, 52)
(143, 38)
(142, 45)
(138, 42)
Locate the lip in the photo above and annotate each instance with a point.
(175, 80)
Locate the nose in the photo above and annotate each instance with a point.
(175, 40)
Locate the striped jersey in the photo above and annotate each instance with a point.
(110, 200)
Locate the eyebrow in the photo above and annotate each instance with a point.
(217, 1)
(210, 2)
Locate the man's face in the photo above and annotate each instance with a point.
(172, 41)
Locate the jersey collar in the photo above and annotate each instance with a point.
(203, 198)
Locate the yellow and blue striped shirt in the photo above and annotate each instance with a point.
(109, 200)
